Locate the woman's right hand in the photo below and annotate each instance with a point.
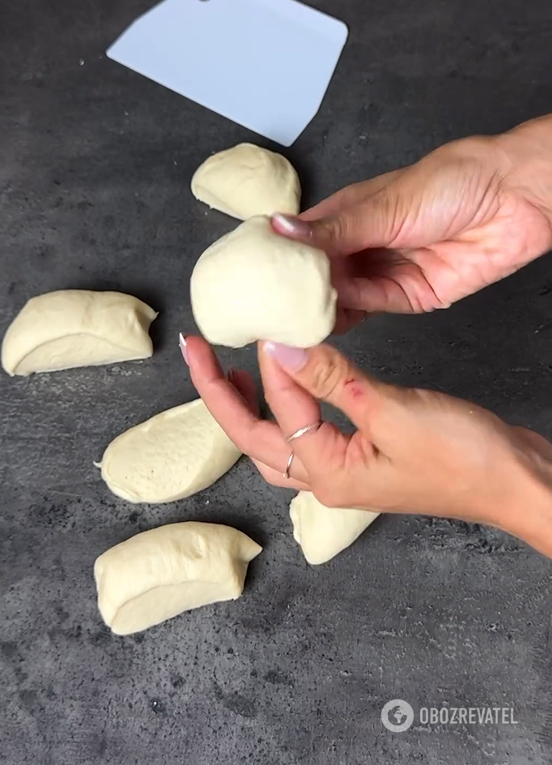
(469, 214)
(414, 451)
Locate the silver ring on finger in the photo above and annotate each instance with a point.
(312, 428)
(288, 466)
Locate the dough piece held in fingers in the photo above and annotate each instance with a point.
(77, 328)
(158, 574)
(254, 284)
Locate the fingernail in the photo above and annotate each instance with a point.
(294, 227)
(182, 344)
(287, 356)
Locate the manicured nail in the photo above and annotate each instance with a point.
(287, 356)
(291, 226)
(182, 344)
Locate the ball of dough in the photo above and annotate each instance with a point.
(171, 456)
(323, 532)
(158, 574)
(247, 181)
(77, 328)
(254, 284)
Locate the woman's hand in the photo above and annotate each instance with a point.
(414, 451)
(467, 215)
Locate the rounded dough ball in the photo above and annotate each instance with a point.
(323, 532)
(158, 574)
(254, 284)
(247, 181)
(77, 328)
(171, 456)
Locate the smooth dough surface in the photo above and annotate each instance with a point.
(246, 180)
(171, 456)
(77, 328)
(254, 284)
(323, 532)
(158, 574)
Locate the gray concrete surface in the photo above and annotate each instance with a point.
(95, 164)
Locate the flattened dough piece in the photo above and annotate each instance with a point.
(171, 456)
(160, 573)
(246, 180)
(323, 532)
(254, 284)
(77, 328)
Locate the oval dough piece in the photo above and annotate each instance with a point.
(323, 532)
(158, 574)
(77, 328)
(171, 456)
(254, 284)
(246, 180)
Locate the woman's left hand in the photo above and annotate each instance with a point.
(414, 451)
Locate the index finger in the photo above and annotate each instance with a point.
(348, 197)
(320, 450)
(259, 439)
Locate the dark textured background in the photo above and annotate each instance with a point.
(95, 165)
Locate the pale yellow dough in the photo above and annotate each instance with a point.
(160, 573)
(246, 180)
(254, 284)
(323, 532)
(171, 456)
(77, 328)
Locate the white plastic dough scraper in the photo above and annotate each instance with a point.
(265, 64)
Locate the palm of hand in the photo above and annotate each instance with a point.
(465, 229)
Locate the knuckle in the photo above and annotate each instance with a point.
(340, 227)
(330, 232)
(392, 212)
(327, 374)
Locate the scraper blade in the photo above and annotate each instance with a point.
(265, 64)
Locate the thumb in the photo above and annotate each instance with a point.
(328, 376)
(374, 222)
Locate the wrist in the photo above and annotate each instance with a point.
(525, 506)
(528, 151)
